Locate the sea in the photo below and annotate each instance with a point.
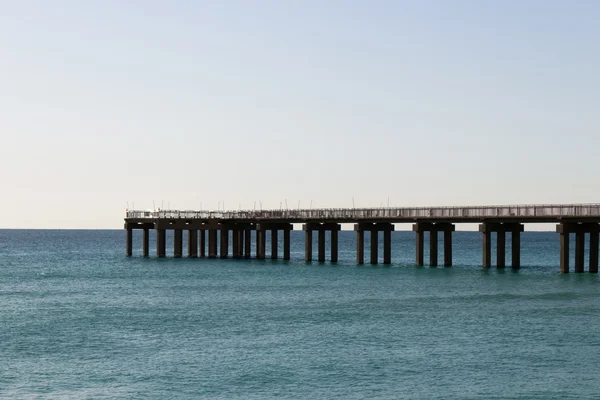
(80, 320)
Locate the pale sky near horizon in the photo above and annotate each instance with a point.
(196, 102)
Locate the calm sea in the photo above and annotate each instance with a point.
(80, 320)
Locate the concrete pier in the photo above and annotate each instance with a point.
(129, 251)
(192, 243)
(433, 228)
(308, 242)
(202, 243)
(374, 229)
(334, 245)
(360, 245)
(146, 239)
(212, 243)
(420, 247)
(286, 243)
(594, 251)
(224, 243)
(576, 219)
(177, 243)
(321, 229)
(247, 243)
(448, 247)
(374, 246)
(433, 248)
(579, 229)
(579, 250)
(161, 242)
(487, 228)
(274, 244)
(261, 243)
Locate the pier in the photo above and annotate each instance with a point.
(204, 227)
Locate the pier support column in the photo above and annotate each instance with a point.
(202, 243)
(161, 242)
(334, 245)
(579, 229)
(247, 243)
(447, 248)
(146, 239)
(129, 242)
(594, 252)
(387, 246)
(321, 247)
(433, 248)
(192, 243)
(433, 228)
(261, 243)
(177, 243)
(212, 243)
(360, 245)
(308, 244)
(240, 243)
(224, 243)
(286, 244)
(564, 252)
(234, 243)
(501, 249)
(579, 250)
(487, 249)
(274, 244)
(516, 249)
(420, 248)
(374, 246)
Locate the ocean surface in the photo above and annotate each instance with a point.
(80, 320)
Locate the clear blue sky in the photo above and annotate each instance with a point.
(194, 102)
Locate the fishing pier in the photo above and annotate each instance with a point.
(238, 228)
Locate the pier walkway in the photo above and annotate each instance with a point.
(239, 226)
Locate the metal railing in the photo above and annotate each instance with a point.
(392, 213)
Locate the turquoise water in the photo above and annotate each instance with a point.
(78, 319)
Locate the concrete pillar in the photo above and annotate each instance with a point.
(579, 250)
(360, 246)
(224, 243)
(374, 246)
(334, 245)
(161, 242)
(212, 243)
(433, 248)
(261, 244)
(286, 244)
(240, 243)
(247, 243)
(146, 239)
(564, 252)
(177, 243)
(516, 249)
(594, 251)
(274, 246)
(387, 246)
(321, 249)
(487, 248)
(308, 244)
(192, 243)
(234, 248)
(420, 248)
(202, 243)
(500, 249)
(447, 248)
(129, 242)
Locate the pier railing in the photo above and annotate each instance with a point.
(392, 213)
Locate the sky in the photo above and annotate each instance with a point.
(205, 104)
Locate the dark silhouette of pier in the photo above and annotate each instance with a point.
(577, 219)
